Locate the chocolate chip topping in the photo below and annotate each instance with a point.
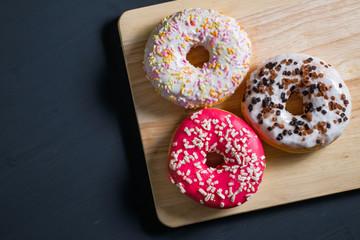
(304, 79)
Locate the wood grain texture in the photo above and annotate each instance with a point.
(326, 29)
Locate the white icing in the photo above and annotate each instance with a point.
(172, 39)
(330, 78)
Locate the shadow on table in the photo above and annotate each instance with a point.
(115, 93)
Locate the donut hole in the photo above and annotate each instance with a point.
(214, 160)
(294, 104)
(198, 56)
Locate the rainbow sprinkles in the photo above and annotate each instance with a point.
(176, 79)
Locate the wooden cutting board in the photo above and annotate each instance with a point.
(327, 29)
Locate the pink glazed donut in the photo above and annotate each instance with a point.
(229, 184)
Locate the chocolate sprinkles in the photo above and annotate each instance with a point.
(302, 77)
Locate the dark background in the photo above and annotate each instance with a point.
(71, 162)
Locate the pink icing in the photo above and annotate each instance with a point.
(229, 184)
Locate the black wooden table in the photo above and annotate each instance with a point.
(71, 162)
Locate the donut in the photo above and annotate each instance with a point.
(229, 184)
(176, 79)
(326, 102)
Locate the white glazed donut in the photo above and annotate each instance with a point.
(326, 102)
(172, 74)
